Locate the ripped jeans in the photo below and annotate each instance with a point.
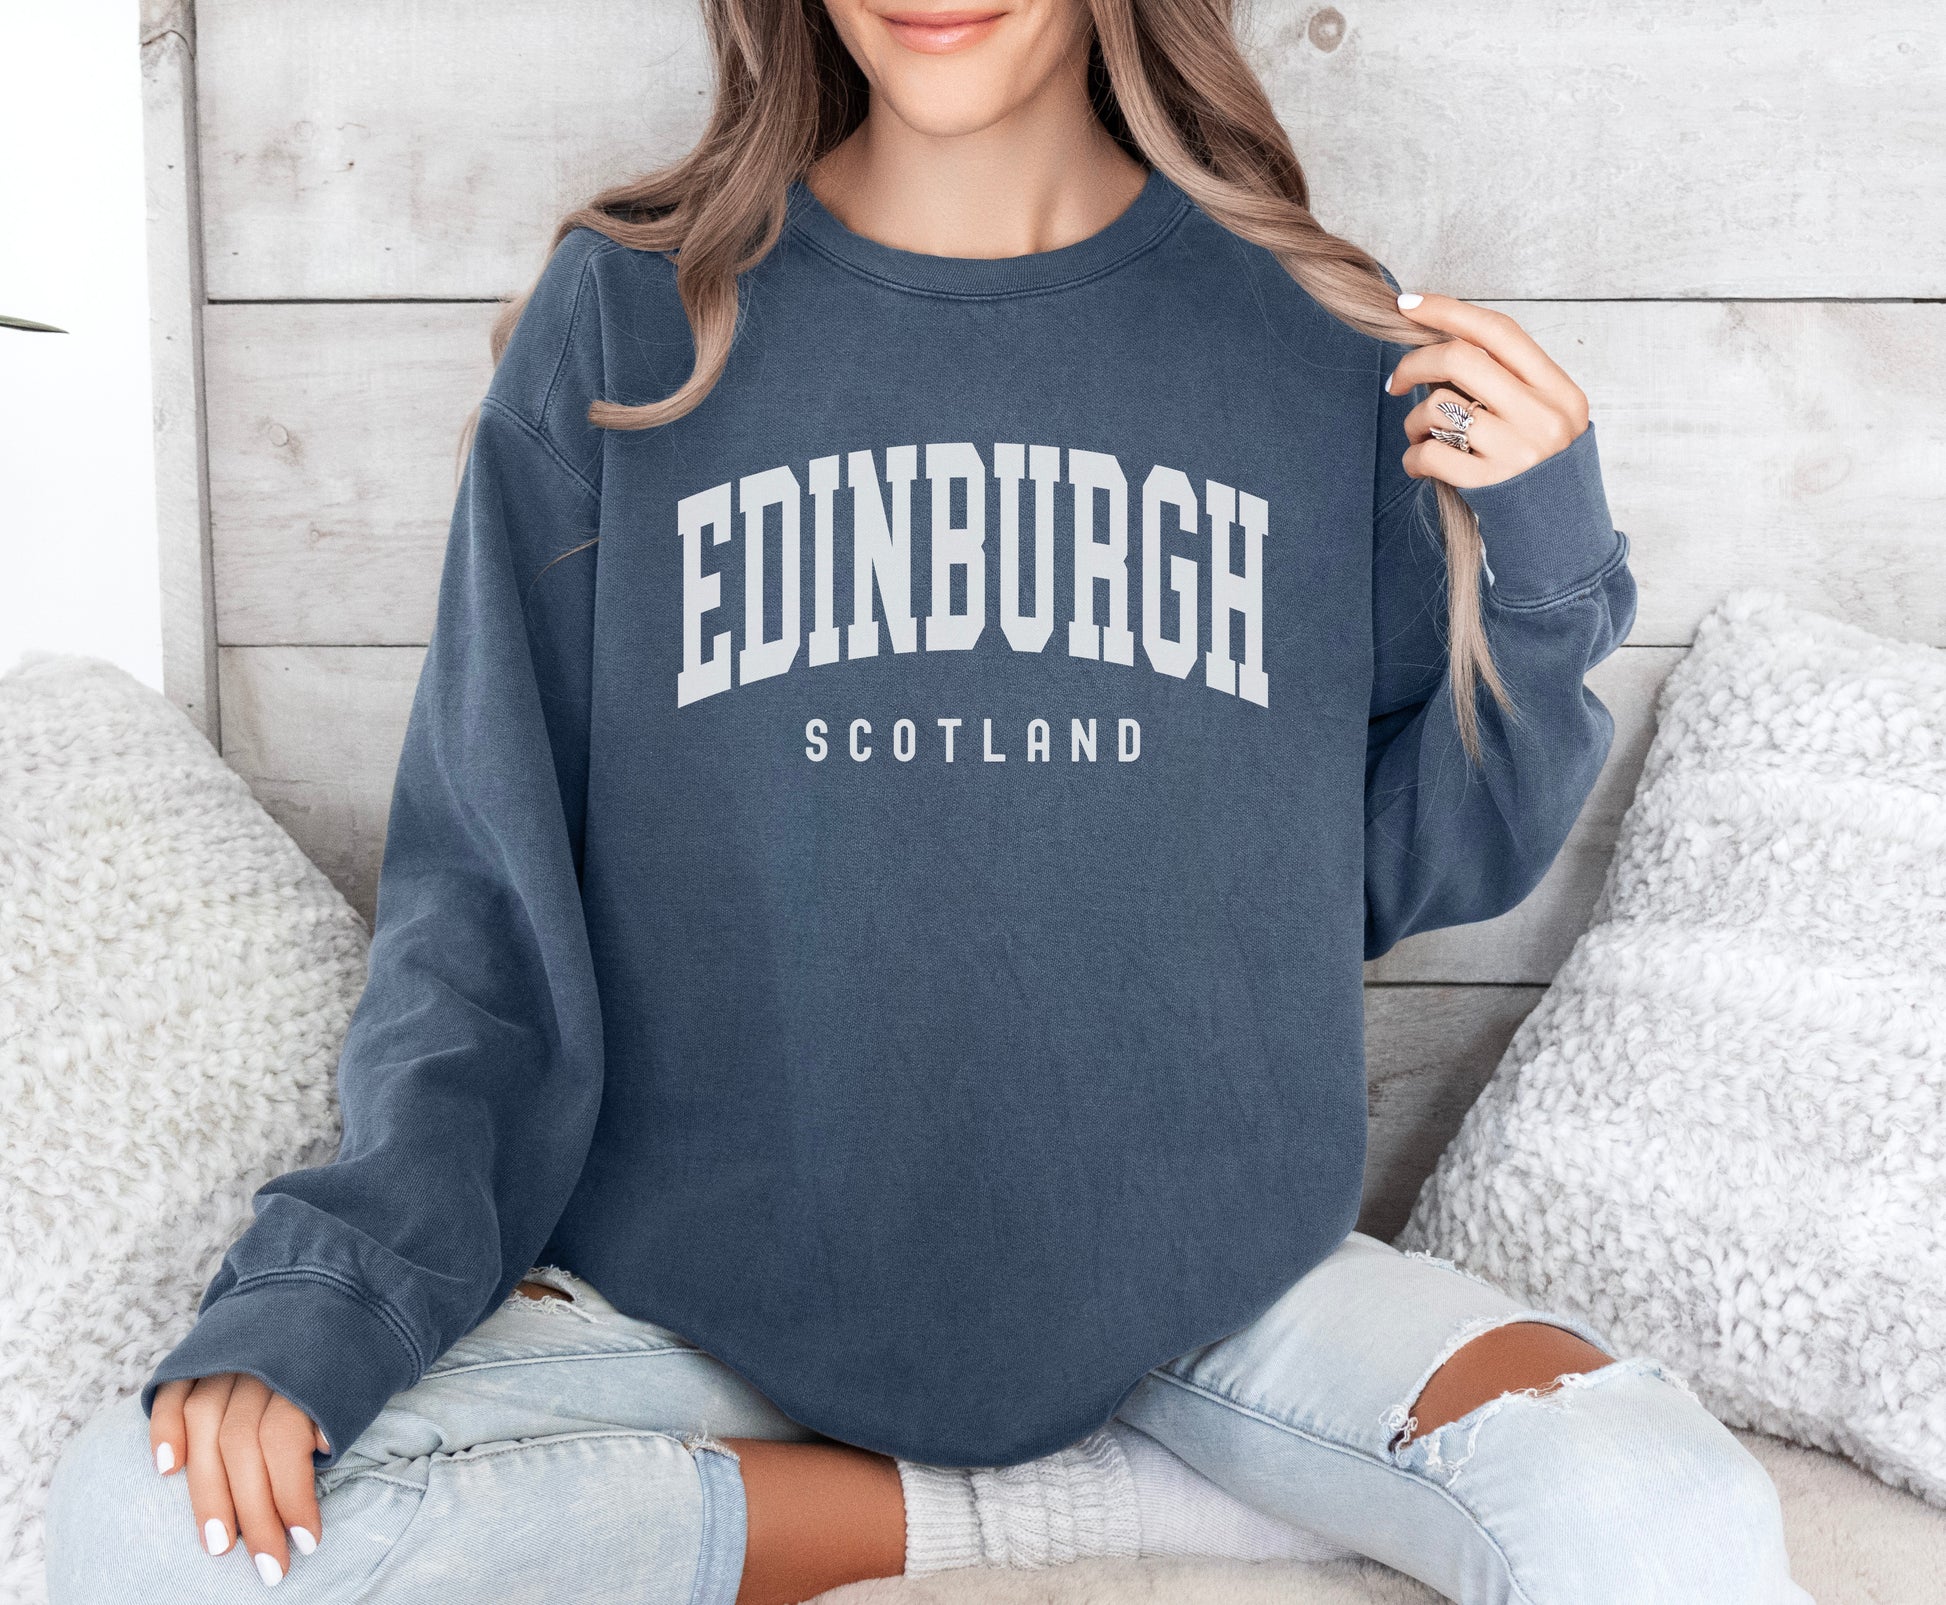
(563, 1451)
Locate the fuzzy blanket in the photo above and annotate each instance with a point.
(1721, 1136)
(175, 981)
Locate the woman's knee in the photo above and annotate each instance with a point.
(1617, 1485)
(102, 1466)
(1647, 1425)
(113, 1522)
(1697, 1490)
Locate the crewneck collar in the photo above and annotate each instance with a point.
(1157, 207)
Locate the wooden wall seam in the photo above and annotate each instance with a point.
(186, 560)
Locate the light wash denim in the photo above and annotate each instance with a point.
(566, 1452)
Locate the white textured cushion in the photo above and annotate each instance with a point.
(175, 981)
(1719, 1135)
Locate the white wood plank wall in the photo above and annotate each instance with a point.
(1727, 221)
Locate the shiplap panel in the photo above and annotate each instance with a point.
(1531, 148)
(1775, 443)
(1428, 1052)
(316, 731)
(427, 147)
(333, 437)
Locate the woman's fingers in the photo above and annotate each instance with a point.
(166, 1439)
(243, 1463)
(1494, 443)
(1502, 338)
(1434, 459)
(247, 1453)
(1470, 368)
(209, 1488)
(1489, 434)
(1498, 451)
(288, 1438)
(1529, 408)
(1532, 409)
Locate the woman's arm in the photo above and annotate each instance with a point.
(1449, 842)
(471, 1074)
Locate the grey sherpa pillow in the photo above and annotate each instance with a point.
(1719, 1136)
(175, 982)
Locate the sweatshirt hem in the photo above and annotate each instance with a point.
(822, 1409)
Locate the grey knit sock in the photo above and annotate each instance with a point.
(1115, 1493)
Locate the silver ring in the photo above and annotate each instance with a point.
(1462, 420)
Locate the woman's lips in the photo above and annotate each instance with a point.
(937, 32)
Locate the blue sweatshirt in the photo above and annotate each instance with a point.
(880, 868)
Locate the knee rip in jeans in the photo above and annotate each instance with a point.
(707, 1442)
(1444, 1451)
(563, 1283)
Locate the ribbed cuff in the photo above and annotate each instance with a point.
(1547, 530)
(1075, 1504)
(308, 1335)
(942, 1529)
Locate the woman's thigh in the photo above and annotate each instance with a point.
(558, 1440)
(1617, 1486)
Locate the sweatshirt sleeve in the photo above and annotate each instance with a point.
(1448, 842)
(471, 1073)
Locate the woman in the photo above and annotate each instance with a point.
(900, 943)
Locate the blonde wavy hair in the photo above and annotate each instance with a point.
(1168, 82)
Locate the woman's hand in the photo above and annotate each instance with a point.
(247, 1453)
(1524, 407)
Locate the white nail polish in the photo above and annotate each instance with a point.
(165, 1458)
(1408, 300)
(1390, 377)
(216, 1537)
(302, 1541)
(269, 1570)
